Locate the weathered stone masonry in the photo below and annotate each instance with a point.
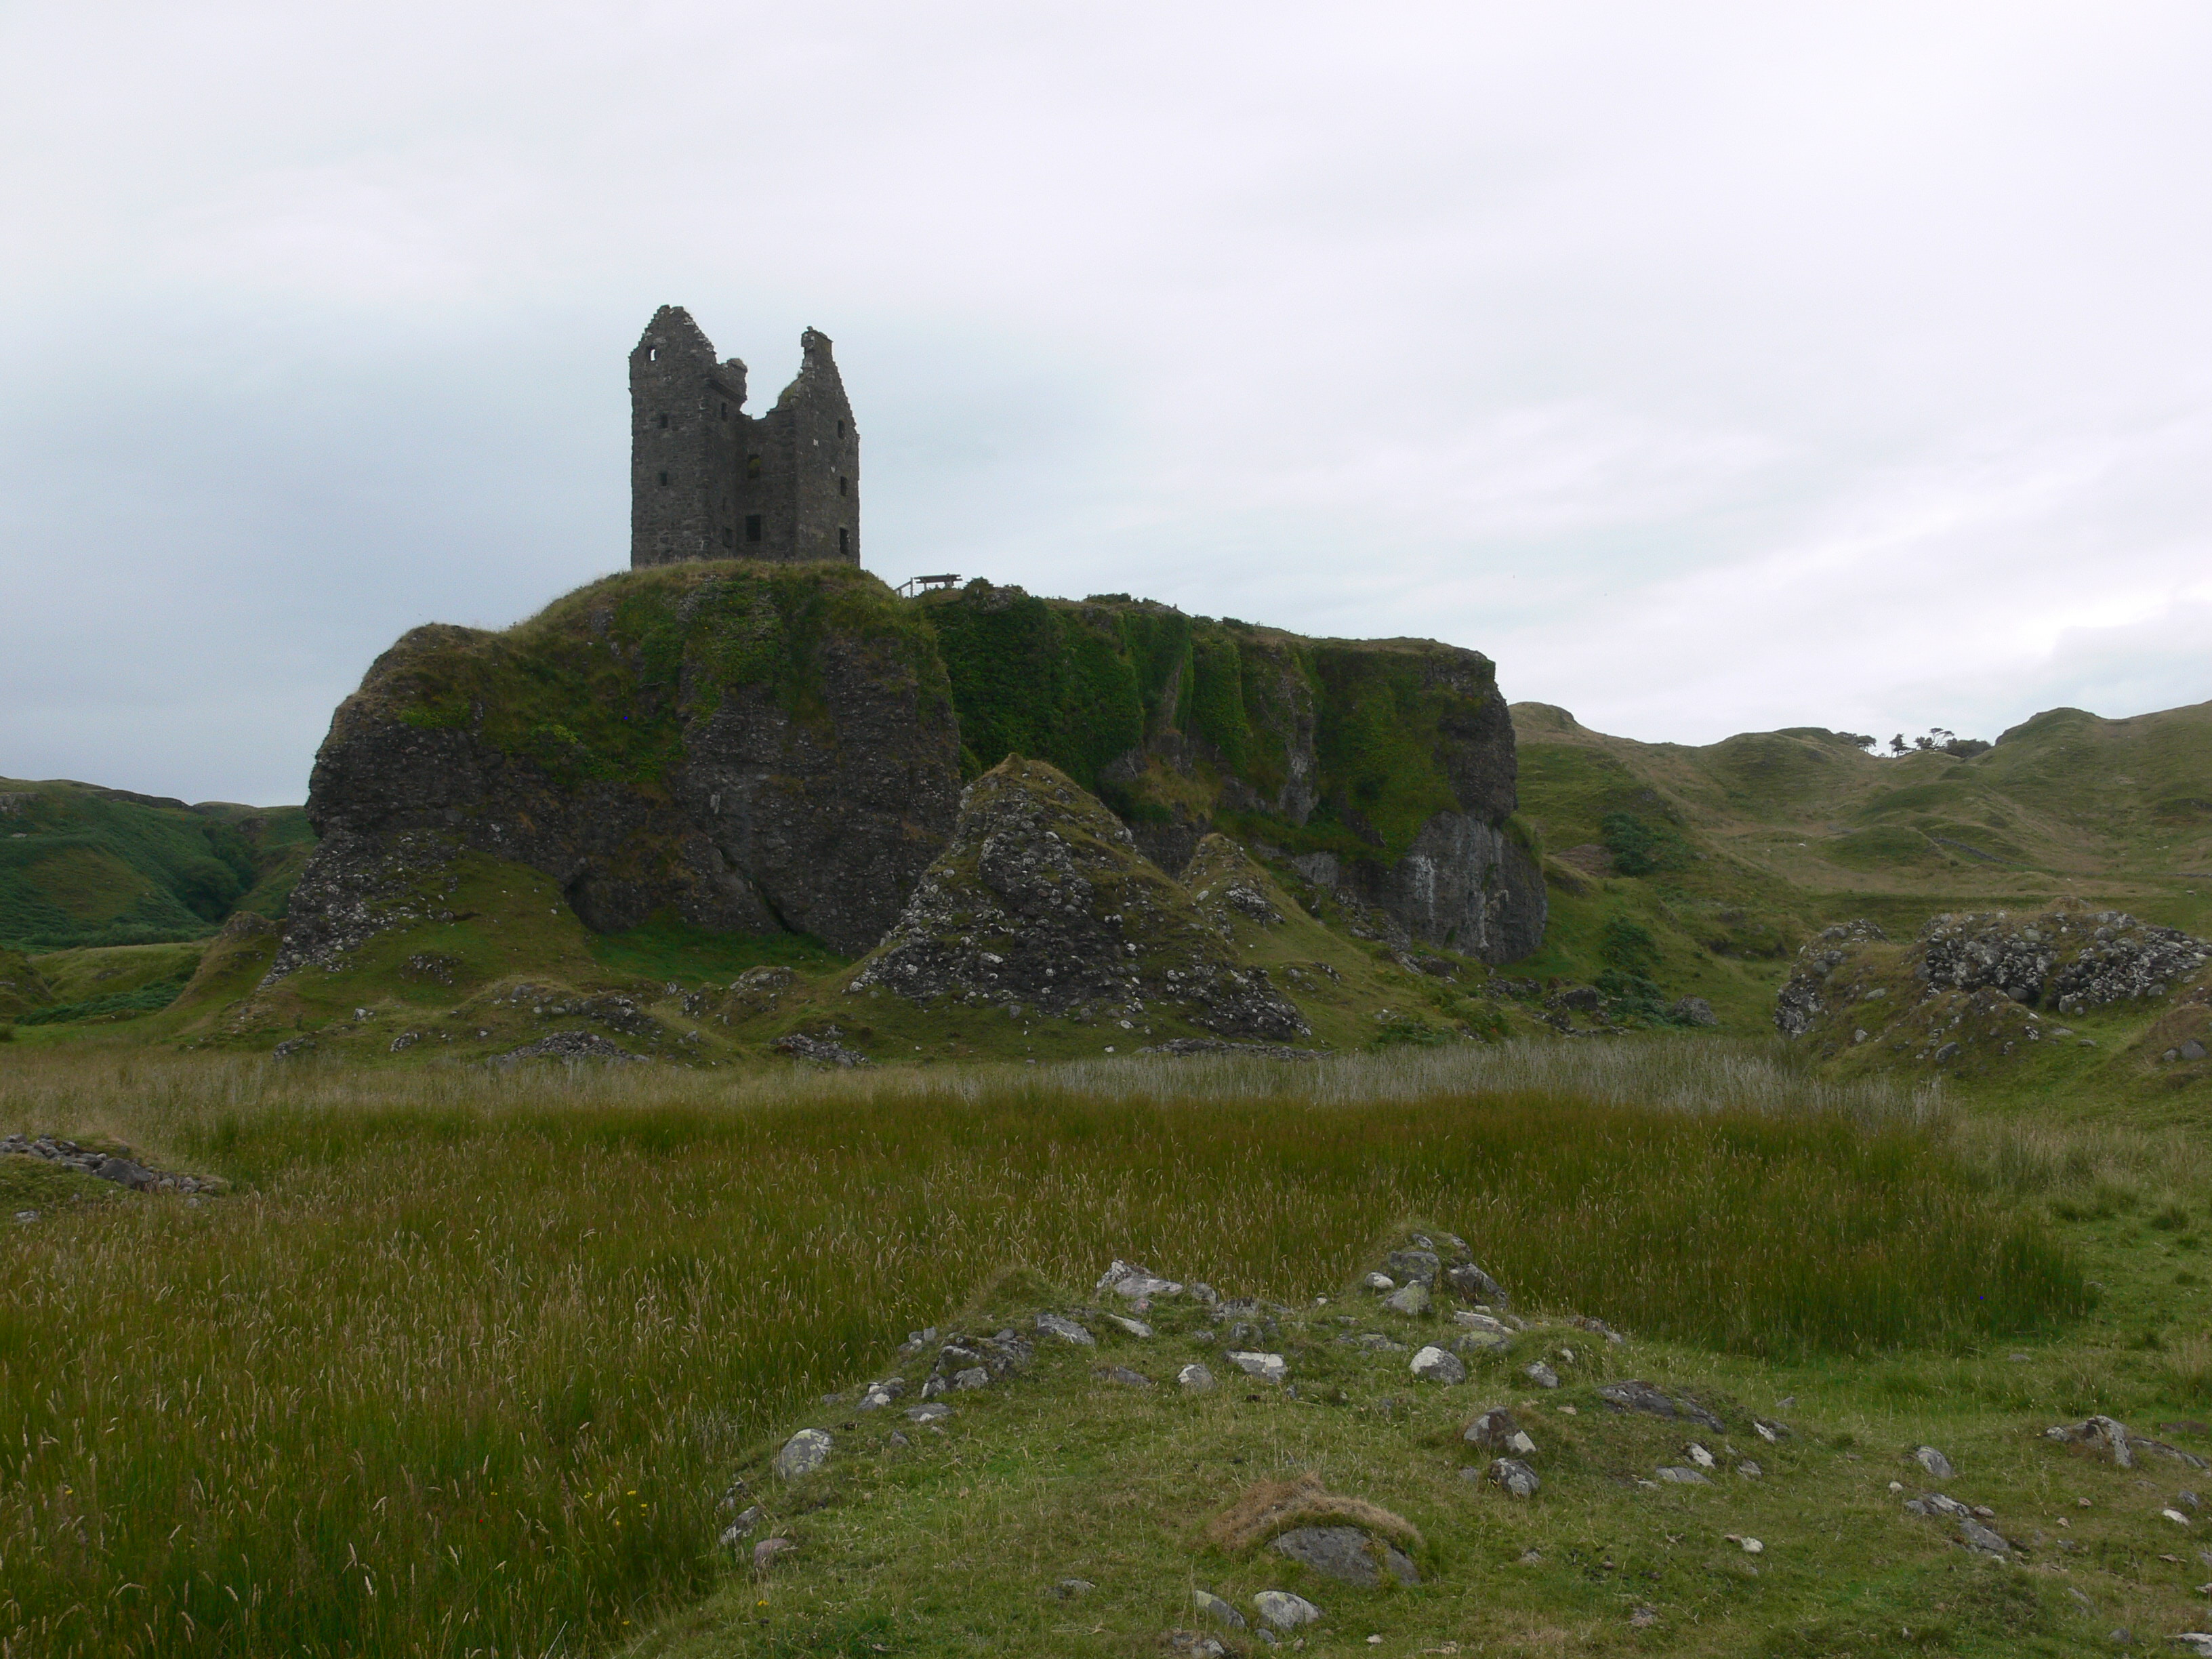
(708, 480)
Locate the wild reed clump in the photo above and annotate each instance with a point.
(461, 1367)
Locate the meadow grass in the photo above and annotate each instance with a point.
(462, 1365)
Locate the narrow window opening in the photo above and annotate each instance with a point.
(841, 484)
(664, 478)
(752, 526)
(729, 537)
(841, 428)
(664, 423)
(844, 543)
(752, 466)
(653, 354)
(726, 412)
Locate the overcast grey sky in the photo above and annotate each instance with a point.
(1713, 367)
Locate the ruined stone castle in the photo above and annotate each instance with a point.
(708, 481)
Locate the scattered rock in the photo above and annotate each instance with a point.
(1542, 1375)
(1699, 1455)
(1134, 1282)
(1123, 1375)
(1977, 1537)
(1412, 1267)
(1473, 1284)
(567, 1045)
(1214, 1607)
(1693, 1011)
(1938, 1466)
(767, 1549)
(803, 1454)
(1515, 1476)
(1194, 1642)
(1597, 1325)
(1683, 1477)
(118, 1166)
(1412, 1300)
(1636, 1396)
(1379, 1283)
(1284, 1610)
(822, 1050)
(1194, 1378)
(1372, 1342)
(1749, 1470)
(932, 1412)
(1348, 1554)
(1266, 1367)
(1066, 1329)
(743, 1527)
(1072, 1589)
(1483, 1342)
(1434, 1365)
(1135, 1327)
(1497, 1430)
(293, 1047)
(2111, 1437)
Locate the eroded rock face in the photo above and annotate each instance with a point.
(758, 752)
(1803, 999)
(2068, 960)
(1041, 903)
(1968, 983)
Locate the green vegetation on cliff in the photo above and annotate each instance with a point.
(593, 688)
(1312, 745)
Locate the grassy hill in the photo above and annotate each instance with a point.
(1729, 856)
(82, 865)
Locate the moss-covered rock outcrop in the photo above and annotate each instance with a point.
(763, 748)
(1383, 769)
(1041, 902)
(755, 748)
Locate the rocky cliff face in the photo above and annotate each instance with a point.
(1384, 770)
(755, 750)
(1041, 903)
(770, 748)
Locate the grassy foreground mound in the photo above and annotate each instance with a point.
(466, 1362)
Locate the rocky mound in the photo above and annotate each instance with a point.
(1969, 986)
(1041, 902)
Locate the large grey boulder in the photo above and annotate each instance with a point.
(1350, 1554)
(1284, 1610)
(1435, 1364)
(804, 1453)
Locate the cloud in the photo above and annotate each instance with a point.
(1714, 368)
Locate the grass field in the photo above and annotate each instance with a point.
(465, 1360)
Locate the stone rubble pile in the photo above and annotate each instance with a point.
(119, 1167)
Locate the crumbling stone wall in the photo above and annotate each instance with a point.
(708, 481)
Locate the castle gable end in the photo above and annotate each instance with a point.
(708, 480)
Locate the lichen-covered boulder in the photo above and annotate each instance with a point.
(1041, 903)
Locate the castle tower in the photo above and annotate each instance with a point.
(709, 481)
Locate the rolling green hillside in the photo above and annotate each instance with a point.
(82, 865)
(1731, 855)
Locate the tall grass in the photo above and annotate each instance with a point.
(461, 1369)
